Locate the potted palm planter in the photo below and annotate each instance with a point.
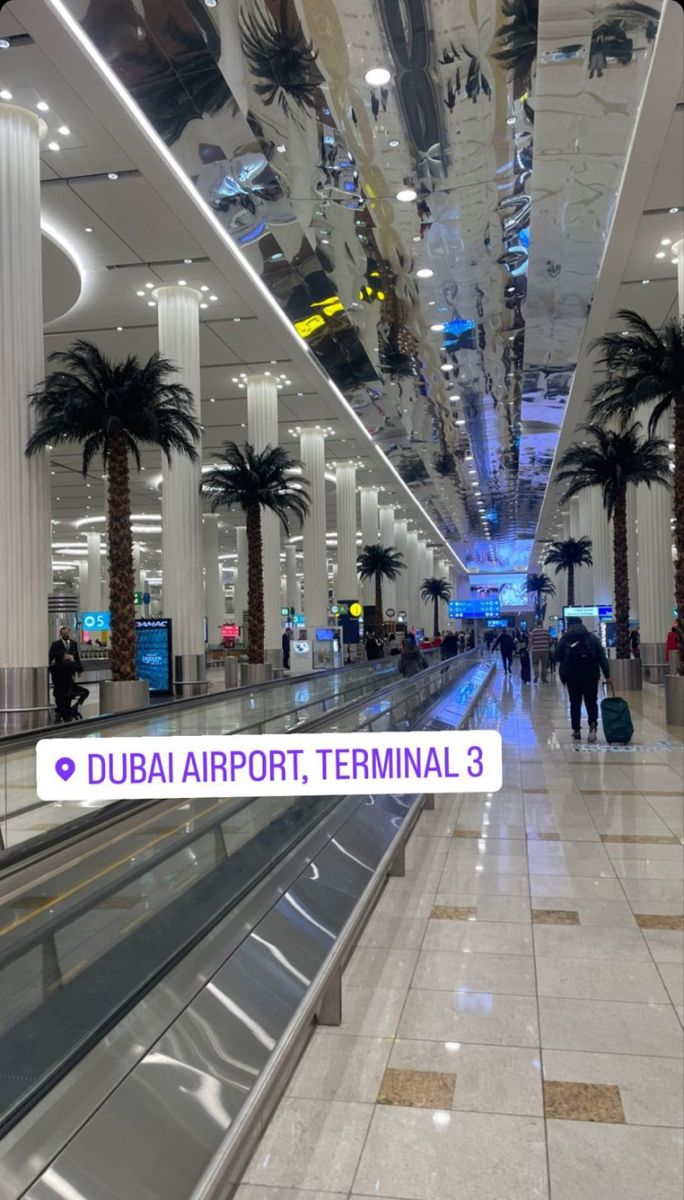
(254, 481)
(115, 409)
(610, 460)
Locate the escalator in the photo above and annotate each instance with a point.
(159, 973)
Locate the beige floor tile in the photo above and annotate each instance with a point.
(302, 1146)
(249, 1191)
(479, 937)
(575, 887)
(394, 933)
(592, 912)
(439, 1156)
(609, 1027)
(590, 942)
(565, 1101)
(592, 1162)
(490, 908)
(673, 977)
(371, 966)
(369, 1011)
(412, 1088)
(341, 1068)
(501, 1079)
(648, 868)
(592, 979)
(482, 882)
(453, 971)
(641, 893)
(487, 1018)
(666, 945)
(651, 1089)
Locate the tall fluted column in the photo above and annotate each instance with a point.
(412, 583)
(312, 454)
(655, 567)
(82, 583)
(632, 551)
(240, 589)
(178, 315)
(25, 544)
(262, 427)
(678, 250)
(346, 584)
(294, 592)
(93, 594)
(401, 543)
(387, 538)
(584, 582)
(600, 532)
(369, 532)
(214, 594)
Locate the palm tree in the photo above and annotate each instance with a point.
(645, 366)
(538, 586)
(114, 409)
(568, 554)
(611, 461)
(435, 590)
(254, 480)
(378, 563)
(518, 40)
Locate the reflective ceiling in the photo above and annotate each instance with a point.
(435, 239)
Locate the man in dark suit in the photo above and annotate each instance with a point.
(65, 663)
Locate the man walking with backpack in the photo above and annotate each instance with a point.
(581, 658)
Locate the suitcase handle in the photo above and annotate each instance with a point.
(608, 689)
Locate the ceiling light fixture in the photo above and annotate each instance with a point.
(204, 288)
(378, 76)
(64, 130)
(406, 195)
(645, 281)
(42, 106)
(281, 149)
(89, 229)
(660, 254)
(437, 328)
(54, 146)
(203, 305)
(425, 272)
(182, 282)
(674, 210)
(666, 241)
(447, 366)
(138, 293)
(5, 94)
(151, 304)
(187, 261)
(4, 44)
(119, 329)
(393, 143)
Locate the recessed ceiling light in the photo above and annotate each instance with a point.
(53, 146)
(211, 3)
(119, 329)
(212, 400)
(5, 94)
(645, 281)
(4, 44)
(64, 130)
(510, 120)
(660, 254)
(42, 106)
(406, 195)
(460, 421)
(674, 210)
(204, 288)
(204, 305)
(447, 366)
(378, 76)
(454, 397)
(675, 262)
(89, 229)
(213, 297)
(140, 293)
(237, 320)
(666, 241)
(281, 149)
(393, 143)
(151, 304)
(149, 286)
(425, 272)
(437, 328)
(182, 282)
(112, 175)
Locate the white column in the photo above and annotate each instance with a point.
(294, 595)
(82, 583)
(346, 584)
(93, 592)
(240, 591)
(401, 543)
(655, 568)
(600, 532)
(178, 315)
(262, 428)
(412, 583)
(632, 551)
(25, 544)
(369, 533)
(584, 583)
(312, 454)
(214, 595)
(388, 538)
(678, 252)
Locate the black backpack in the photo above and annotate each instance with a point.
(580, 663)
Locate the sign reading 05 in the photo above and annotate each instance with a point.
(94, 621)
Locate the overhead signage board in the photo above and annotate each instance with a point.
(95, 622)
(299, 619)
(603, 611)
(475, 609)
(153, 653)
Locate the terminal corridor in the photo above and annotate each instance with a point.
(511, 1017)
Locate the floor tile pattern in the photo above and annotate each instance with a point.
(512, 1015)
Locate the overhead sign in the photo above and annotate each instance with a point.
(355, 609)
(497, 623)
(230, 631)
(153, 660)
(299, 619)
(93, 622)
(603, 611)
(284, 612)
(475, 609)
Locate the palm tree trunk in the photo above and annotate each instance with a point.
(120, 556)
(435, 629)
(679, 521)
(621, 569)
(571, 584)
(255, 586)
(378, 602)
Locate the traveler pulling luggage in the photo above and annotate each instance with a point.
(581, 658)
(616, 718)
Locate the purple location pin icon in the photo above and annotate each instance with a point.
(65, 768)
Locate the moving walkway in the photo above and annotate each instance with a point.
(160, 975)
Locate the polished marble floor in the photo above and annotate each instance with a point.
(512, 1015)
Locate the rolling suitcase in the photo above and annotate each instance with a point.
(616, 720)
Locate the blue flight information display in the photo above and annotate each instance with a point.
(475, 609)
(95, 622)
(153, 660)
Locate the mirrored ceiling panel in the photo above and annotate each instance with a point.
(382, 166)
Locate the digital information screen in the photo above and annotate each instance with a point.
(603, 611)
(153, 655)
(325, 635)
(475, 609)
(94, 622)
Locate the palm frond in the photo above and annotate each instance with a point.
(259, 479)
(376, 560)
(435, 589)
(611, 460)
(571, 552)
(281, 59)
